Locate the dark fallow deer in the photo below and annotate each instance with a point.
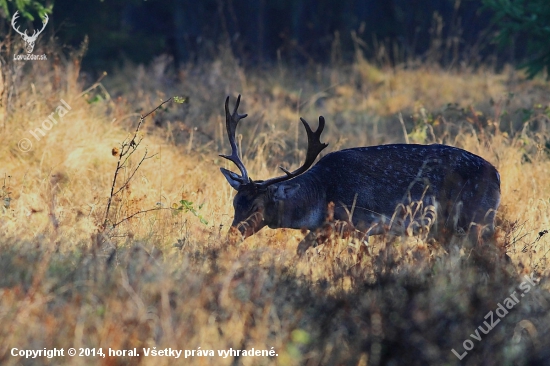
(371, 188)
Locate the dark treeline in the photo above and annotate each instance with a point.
(260, 31)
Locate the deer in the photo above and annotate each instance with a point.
(29, 40)
(372, 188)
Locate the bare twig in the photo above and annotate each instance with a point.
(145, 157)
(127, 149)
(95, 85)
(137, 213)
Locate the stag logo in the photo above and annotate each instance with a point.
(29, 40)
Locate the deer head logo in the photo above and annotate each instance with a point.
(29, 40)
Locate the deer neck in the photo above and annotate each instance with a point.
(303, 205)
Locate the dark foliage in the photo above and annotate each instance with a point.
(446, 31)
(529, 22)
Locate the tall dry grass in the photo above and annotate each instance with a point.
(165, 279)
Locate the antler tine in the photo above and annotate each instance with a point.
(231, 121)
(44, 23)
(314, 148)
(15, 16)
(36, 33)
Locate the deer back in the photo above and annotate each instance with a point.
(368, 185)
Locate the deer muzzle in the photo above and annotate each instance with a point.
(250, 226)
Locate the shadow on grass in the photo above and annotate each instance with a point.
(379, 311)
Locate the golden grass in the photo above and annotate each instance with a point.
(164, 280)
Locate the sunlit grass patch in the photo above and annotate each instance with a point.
(166, 274)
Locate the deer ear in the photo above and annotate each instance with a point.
(233, 179)
(284, 191)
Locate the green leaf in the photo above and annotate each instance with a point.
(187, 206)
(300, 336)
(181, 100)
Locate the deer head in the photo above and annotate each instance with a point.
(253, 201)
(29, 40)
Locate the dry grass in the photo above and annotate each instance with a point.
(166, 280)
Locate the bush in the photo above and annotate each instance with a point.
(25, 7)
(530, 19)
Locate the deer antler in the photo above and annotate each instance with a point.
(314, 148)
(231, 121)
(44, 23)
(35, 34)
(15, 16)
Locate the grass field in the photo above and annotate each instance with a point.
(162, 273)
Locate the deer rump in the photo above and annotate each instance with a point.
(390, 188)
